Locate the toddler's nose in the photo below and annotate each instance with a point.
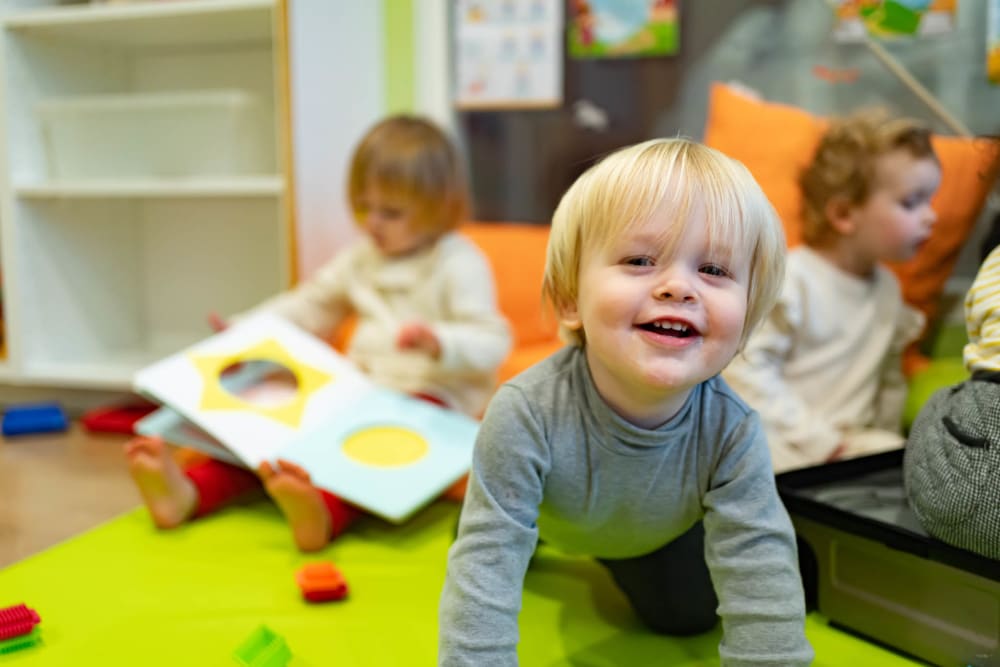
(676, 289)
(931, 216)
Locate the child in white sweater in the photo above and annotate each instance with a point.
(825, 368)
(428, 323)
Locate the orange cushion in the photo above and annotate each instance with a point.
(776, 142)
(517, 255)
(524, 357)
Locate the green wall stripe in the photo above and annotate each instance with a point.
(399, 56)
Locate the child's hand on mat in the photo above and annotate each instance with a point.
(418, 336)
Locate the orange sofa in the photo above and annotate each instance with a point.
(775, 141)
(517, 254)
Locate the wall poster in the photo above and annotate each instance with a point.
(624, 28)
(508, 54)
(890, 19)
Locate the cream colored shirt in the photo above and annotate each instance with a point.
(449, 287)
(825, 367)
(982, 317)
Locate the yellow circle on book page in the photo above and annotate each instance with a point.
(385, 446)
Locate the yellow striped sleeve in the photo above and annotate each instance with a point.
(982, 317)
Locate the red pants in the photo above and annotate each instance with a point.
(219, 483)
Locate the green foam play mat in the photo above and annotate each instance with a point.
(126, 594)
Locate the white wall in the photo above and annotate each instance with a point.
(335, 51)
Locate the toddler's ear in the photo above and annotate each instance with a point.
(839, 211)
(569, 316)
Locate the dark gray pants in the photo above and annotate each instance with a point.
(670, 588)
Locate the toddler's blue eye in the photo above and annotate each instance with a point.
(639, 261)
(714, 270)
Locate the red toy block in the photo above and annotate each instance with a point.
(17, 620)
(321, 582)
(116, 418)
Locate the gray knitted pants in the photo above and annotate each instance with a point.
(952, 465)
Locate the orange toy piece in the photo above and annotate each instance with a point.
(321, 582)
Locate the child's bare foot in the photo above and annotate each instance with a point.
(169, 495)
(290, 487)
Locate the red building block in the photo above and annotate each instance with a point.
(321, 582)
(17, 620)
(116, 418)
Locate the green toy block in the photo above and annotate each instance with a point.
(20, 642)
(263, 648)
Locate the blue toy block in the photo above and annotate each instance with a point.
(34, 418)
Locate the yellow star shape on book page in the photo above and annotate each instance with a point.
(215, 397)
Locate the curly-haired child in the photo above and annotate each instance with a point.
(825, 368)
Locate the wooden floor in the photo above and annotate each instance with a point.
(55, 486)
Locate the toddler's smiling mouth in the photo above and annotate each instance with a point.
(673, 328)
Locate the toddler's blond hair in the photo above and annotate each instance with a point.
(626, 187)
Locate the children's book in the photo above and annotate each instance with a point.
(264, 389)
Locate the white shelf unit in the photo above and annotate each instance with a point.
(142, 180)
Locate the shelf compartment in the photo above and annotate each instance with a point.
(163, 134)
(126, 282)
(108, 268)
(151, 24)
(113, 373)
(153, 188)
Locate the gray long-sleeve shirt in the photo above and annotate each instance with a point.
(553, 460)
